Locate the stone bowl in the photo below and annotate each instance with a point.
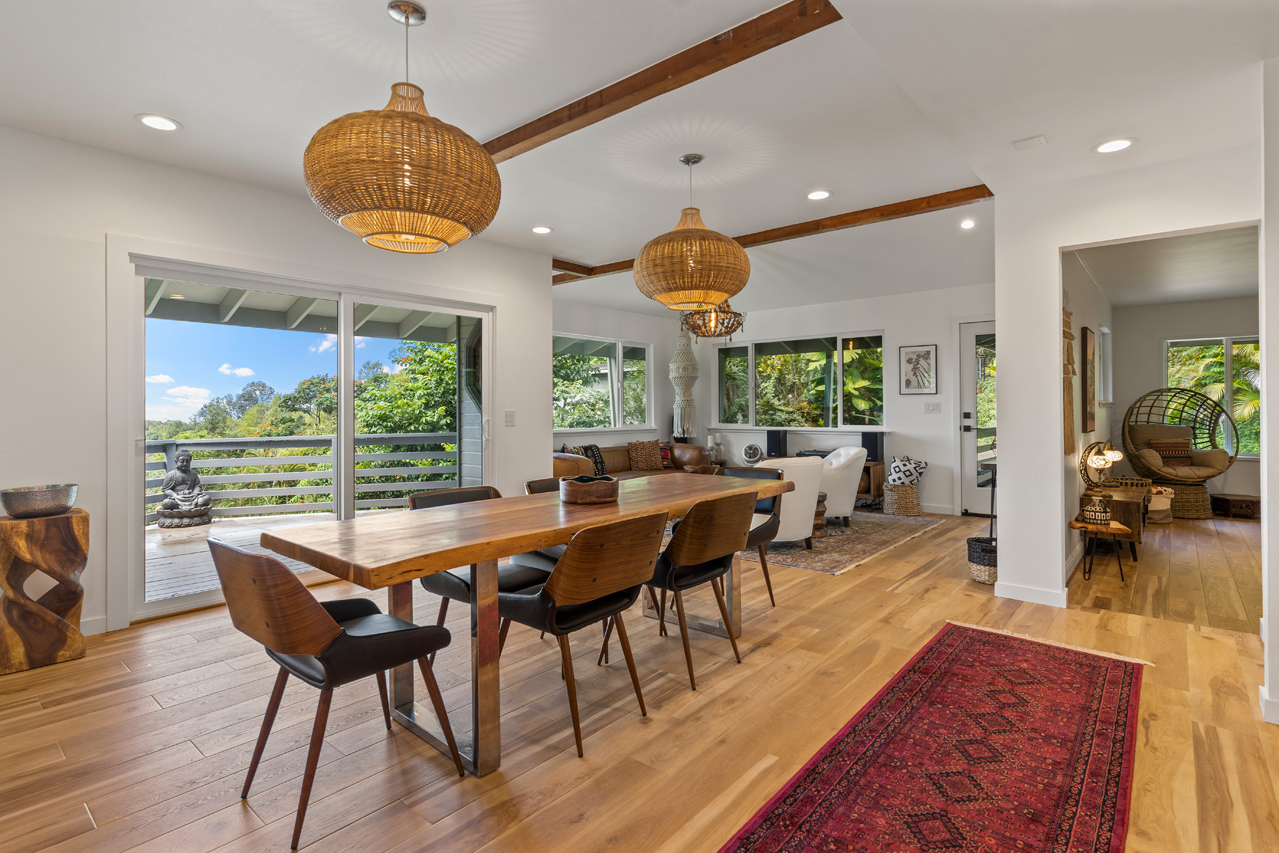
(38, 501)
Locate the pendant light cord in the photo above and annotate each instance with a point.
(406, 48)
(690, 184)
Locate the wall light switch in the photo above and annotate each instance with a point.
(932, 408)
(510, 417)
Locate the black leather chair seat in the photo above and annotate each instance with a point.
(543, 558)
(456, 583)
(764, 533)
(536, 609)
(371, 642)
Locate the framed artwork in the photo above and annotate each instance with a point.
(1088, 344)
(917, 372)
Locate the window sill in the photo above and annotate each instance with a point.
(582, 430)
(843, 429)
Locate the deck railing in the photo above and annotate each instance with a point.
(270, 476)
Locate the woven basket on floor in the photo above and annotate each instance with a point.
(982, 559)
(1190, 500)
(901, 499)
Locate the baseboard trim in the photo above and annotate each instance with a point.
(95, 625)
(938, 509)
(1269, 707)
(1035, 595)
(1072, 562)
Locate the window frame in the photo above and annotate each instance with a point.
(841, 338)
(619, 384)
(1228, 367)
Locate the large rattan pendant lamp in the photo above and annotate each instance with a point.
(399, 178)
(692, 267)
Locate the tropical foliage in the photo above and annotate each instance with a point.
(580, 396)
(1203, 368)
(798, 389)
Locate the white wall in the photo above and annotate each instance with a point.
(1268, 309)
(913, 318)
(577, 318)
(1140, 333)
(58, 204)
(1032, 228)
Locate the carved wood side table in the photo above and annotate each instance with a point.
(819, 516)
(38, 632)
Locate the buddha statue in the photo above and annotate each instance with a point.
(185, 504)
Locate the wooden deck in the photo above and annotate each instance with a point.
(143, 744)
(178, 560)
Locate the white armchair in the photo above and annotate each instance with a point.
(841, 472)
(796, 508)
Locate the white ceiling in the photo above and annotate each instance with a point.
(1186, 268)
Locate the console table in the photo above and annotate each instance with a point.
(45, 630)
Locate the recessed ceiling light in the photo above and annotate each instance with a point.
(156, 122)
(177, 296)
(966, 224)
(818, 195)
(542, 229)
(1113, 145)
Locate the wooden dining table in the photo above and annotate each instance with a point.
(392, 550)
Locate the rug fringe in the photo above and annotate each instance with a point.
(1049, 642)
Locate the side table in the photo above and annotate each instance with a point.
(819, 516)
(1248, 506)
(46, 630)
(1093, 532)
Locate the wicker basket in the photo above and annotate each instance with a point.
(1126, 483)
(981, 559)
(1190, 500)
(901, 499)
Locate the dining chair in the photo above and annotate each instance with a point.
(601, 574)
(455, 584)
(703, 544)
(764, 521)
(324, 644)
(542, 486)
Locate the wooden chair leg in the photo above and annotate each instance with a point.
(768, 581)
(386, 705)
(683, 633)
(723, 611)
(437, 700)
(268, 719)
(567, 656)
(312, 760)
(608, 632)
(630, 661)
(439, 620)
(661, 616)
(845, 521)
(501, 635)
(808, 543)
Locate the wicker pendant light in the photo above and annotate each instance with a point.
(691, 267)
(718, 321)
(399, 178)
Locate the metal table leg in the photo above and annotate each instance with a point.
(481, 748)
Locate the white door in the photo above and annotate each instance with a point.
(977, 415)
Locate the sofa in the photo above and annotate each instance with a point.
(618, 461)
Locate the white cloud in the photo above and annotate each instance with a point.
(393, 368)
(235, 371)
(329, 342)
(359, 342)
(159, 379)
(178, 403)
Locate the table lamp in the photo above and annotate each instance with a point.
(1095, 464)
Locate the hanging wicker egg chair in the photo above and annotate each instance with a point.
(1172, 413)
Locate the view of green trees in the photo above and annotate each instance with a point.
(581, 389)
(1202, 367)
(416, 393)
(796, 381)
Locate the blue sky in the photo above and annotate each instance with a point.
(190, 363)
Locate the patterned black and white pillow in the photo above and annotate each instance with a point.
(905, 471)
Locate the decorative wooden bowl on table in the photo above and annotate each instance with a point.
(588, 490)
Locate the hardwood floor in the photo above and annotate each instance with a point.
(1200, 572)
(143, 744)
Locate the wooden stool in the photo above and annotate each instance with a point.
(1093, 532)
(1248, 506)
(47, 630)
(819, 517)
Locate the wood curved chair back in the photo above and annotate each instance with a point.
(607, 558)
(764, 505)
(268, 603)
(542, 486)
(713, 528)
(449, 497)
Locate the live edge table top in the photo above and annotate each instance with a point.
(382, 550)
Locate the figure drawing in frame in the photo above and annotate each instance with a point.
(918, 369)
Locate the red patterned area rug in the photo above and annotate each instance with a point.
(983, 743)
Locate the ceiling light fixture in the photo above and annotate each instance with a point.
(158, 122)
(691, 267)
(966, 224)
(1114, 145)
(399, 178)
(818, 195)
(721, 321)
(542, 229)
(177, 296)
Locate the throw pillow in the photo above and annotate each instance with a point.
(645, 455)
(906, 471)
(593, 453)
(665, 448)
(1173, 452)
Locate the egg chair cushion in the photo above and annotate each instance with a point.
(1216, 461)
(1142, 434)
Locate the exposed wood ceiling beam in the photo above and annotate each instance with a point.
(578, 270)
(155, 288)
(301, 307)
(231, 303)
(786, 22)
(838, 222)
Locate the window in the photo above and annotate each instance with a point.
(1229, 371)
(811, 382)
(598, 384)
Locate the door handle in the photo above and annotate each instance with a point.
(966, 428)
